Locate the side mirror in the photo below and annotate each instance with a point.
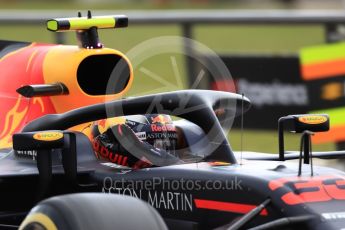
(299, 124)
(43, 142)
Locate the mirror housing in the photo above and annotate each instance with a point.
(299, 124)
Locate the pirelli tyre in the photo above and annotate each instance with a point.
(88, 211)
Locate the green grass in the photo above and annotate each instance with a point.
(267, 141)
(238, 39)
(222, 39)
(259, 39)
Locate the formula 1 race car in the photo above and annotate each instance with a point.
(52, 170)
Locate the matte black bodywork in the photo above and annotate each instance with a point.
(209, 194)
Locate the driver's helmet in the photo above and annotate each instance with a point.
(154, 131)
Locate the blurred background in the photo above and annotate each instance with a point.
(266, 50)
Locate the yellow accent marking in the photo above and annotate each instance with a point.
(40, 218)
(52, 25)
(30, 59)
(313, 119)
(12, 120)
(40, 102)
(16, 51)
(48, 136)
(81, 24)
(104, 125)
(219, 163)
(6, 136)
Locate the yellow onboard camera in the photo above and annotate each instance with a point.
(86, 27)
